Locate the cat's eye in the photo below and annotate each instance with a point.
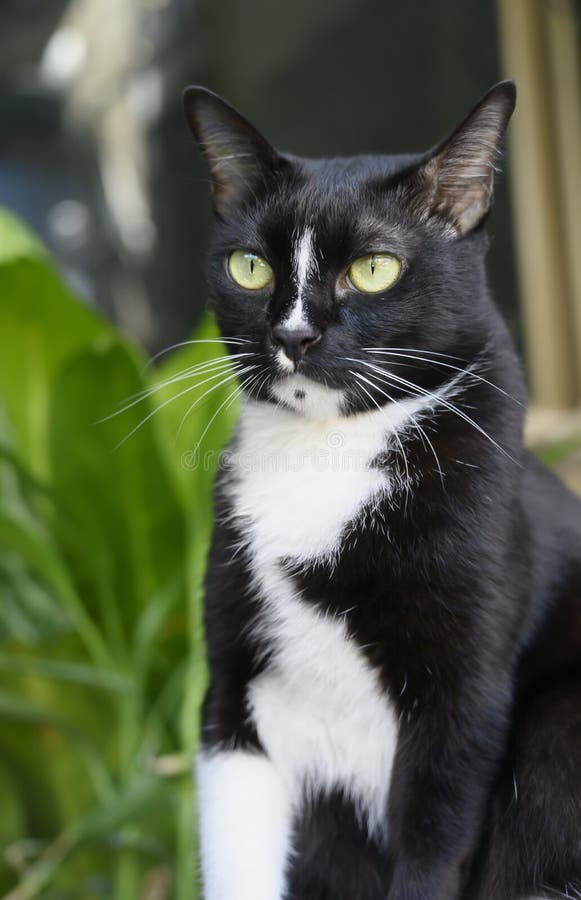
(249, 270)
(374, 273)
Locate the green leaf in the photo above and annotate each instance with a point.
(102, 546)
(62, 670)
(127, 542)
(12, 820)
(41, 324)
(140, 795)
(16, 241)
(29, 610)
(37, 555)
(198, 413)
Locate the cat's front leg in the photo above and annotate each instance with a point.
(444, 767)
(243, 803)
(245, 822)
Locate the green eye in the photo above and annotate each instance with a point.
(249, 270)
(374, 273)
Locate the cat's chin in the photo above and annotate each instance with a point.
(309, 398)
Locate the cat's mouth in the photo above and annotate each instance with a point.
(305, 366)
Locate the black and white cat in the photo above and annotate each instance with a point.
(393, 609)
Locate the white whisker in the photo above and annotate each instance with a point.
(235, 341)
(413, 350)
(360, 377)
(236, 374)
(414, 422)
(261, 385)
(468, 370)
(439, 399)
(192, 387)
(208, 364)
(232, 398)
(219, 364)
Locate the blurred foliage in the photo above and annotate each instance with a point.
(555, 453)
(103, 535)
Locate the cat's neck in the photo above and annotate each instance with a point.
(324, 425)
(305, 407)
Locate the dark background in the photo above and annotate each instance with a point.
(318, 78)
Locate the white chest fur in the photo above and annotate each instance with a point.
(319, 709)
(301, 481)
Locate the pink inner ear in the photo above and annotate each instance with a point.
(458, 181)
(463, 190)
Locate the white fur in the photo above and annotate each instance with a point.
(283, 362)
(296, 484)
(316, 401)
(319, 710)
(244, 826)
(304, 266)
(299, 481)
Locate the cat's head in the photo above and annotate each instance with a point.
(341, 275)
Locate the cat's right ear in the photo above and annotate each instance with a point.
(239, 157)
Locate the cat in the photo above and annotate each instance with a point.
(393, 598)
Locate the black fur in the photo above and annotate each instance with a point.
(471, 610)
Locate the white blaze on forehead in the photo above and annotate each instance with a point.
(304, 266)
(304, 258)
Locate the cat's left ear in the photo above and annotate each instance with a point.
(239, 157)
(455, 184)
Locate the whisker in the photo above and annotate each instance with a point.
(414, 422)
(255, 384)
(217, 361)
(232, 398)
(235, 341)
(214, 387)
(439, 399)
(261, 385)
(414, 350)
(358, 376)
(192, 387)
(219, 364)
(468, 370)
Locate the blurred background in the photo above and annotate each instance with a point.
(96, 158)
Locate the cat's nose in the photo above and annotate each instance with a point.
(295, 341)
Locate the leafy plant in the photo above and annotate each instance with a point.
(104, 524)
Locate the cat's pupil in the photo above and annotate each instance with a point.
(372, 265)
(251, 266)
